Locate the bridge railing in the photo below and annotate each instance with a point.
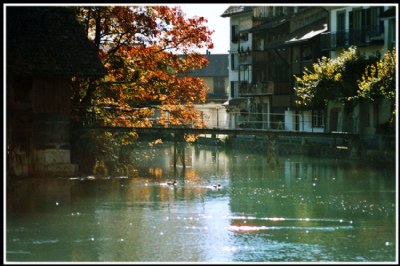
(259, 120)
(220, 119)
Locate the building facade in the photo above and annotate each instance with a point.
(372, 30)
(273, 43)
(216, 78)
(270, 44)
(46, 48)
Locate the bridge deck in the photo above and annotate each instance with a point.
(221, 131)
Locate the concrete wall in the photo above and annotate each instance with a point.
(215, 115)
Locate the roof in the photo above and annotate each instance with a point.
(269, 25)
(217, 67)
(236, 10)
(49, 40)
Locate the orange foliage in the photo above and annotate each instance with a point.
(148, 52)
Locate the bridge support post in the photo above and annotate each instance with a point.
(272, 149)
(303, 146)
(179, 149)
(353, 145)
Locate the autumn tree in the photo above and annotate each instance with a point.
(148, 52)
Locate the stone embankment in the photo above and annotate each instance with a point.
(375, 148)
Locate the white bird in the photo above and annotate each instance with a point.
(172, 183)
(217, 186)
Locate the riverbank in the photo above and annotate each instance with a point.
(376, 149)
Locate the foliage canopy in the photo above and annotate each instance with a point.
(379, 79)
(327, 79)
(347, 78)
(148, 52)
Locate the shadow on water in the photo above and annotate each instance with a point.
(301, 209)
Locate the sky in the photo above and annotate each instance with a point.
(212, 12)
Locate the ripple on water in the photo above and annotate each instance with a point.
(252, 224)
(49, 241)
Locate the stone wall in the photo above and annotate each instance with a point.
(382, 148)
(51, 152)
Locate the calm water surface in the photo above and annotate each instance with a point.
(296, 210)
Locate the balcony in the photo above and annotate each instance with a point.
(298, 66)
(256, 89)
(244, 55)
(361, 37)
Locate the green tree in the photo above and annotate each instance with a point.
(330, 79)
(379, 80)
(349, 79)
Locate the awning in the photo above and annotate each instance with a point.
(302, 35)
(234, 101)
(306, 36)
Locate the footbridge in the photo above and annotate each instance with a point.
(349, 140)
(224, 131)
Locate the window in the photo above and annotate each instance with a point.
(356, 19)
(280, 10)
(244, 36)
(317, 118)
(234, 62)
(340, 29)
(377, 25)
(261, 11)
(245, 72)
(392, 34)
(219, 86)
(260, 44)
(232, 89)
(340, 21)
(234, 33)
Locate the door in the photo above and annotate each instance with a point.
(333, 121)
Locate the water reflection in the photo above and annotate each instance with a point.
(301, 209)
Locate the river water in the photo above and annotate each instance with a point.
(293, 209)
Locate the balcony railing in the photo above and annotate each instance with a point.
(361, 37)
(299, 66)
(261, 88)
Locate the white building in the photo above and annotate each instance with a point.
(372, 29)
